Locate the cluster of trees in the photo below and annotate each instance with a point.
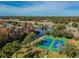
(27, 39)
(56, 19)
(11, 45)
(9, 49)
(19, 41)
(27, 45)
(70, 51)
(74, 24)
(9, 36)
(59, 31)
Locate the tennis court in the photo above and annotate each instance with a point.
(53, 43)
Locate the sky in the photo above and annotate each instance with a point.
(39, 8)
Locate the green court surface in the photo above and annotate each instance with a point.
(53, 43)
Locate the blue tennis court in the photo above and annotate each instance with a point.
(46, 42)
(57, 43)
(53, 43)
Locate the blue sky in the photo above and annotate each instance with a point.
(39, 8)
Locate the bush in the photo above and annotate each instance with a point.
(67, 35)
(4, 55)
(74, 25)
(10, 48)
(70, 51)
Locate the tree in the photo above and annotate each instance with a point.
(27, 39)
(58, 30)
(68, 35)
(4, 55)
(74, 24)
(70, 50)
(10, 48)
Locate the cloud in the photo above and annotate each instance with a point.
(39, 8)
